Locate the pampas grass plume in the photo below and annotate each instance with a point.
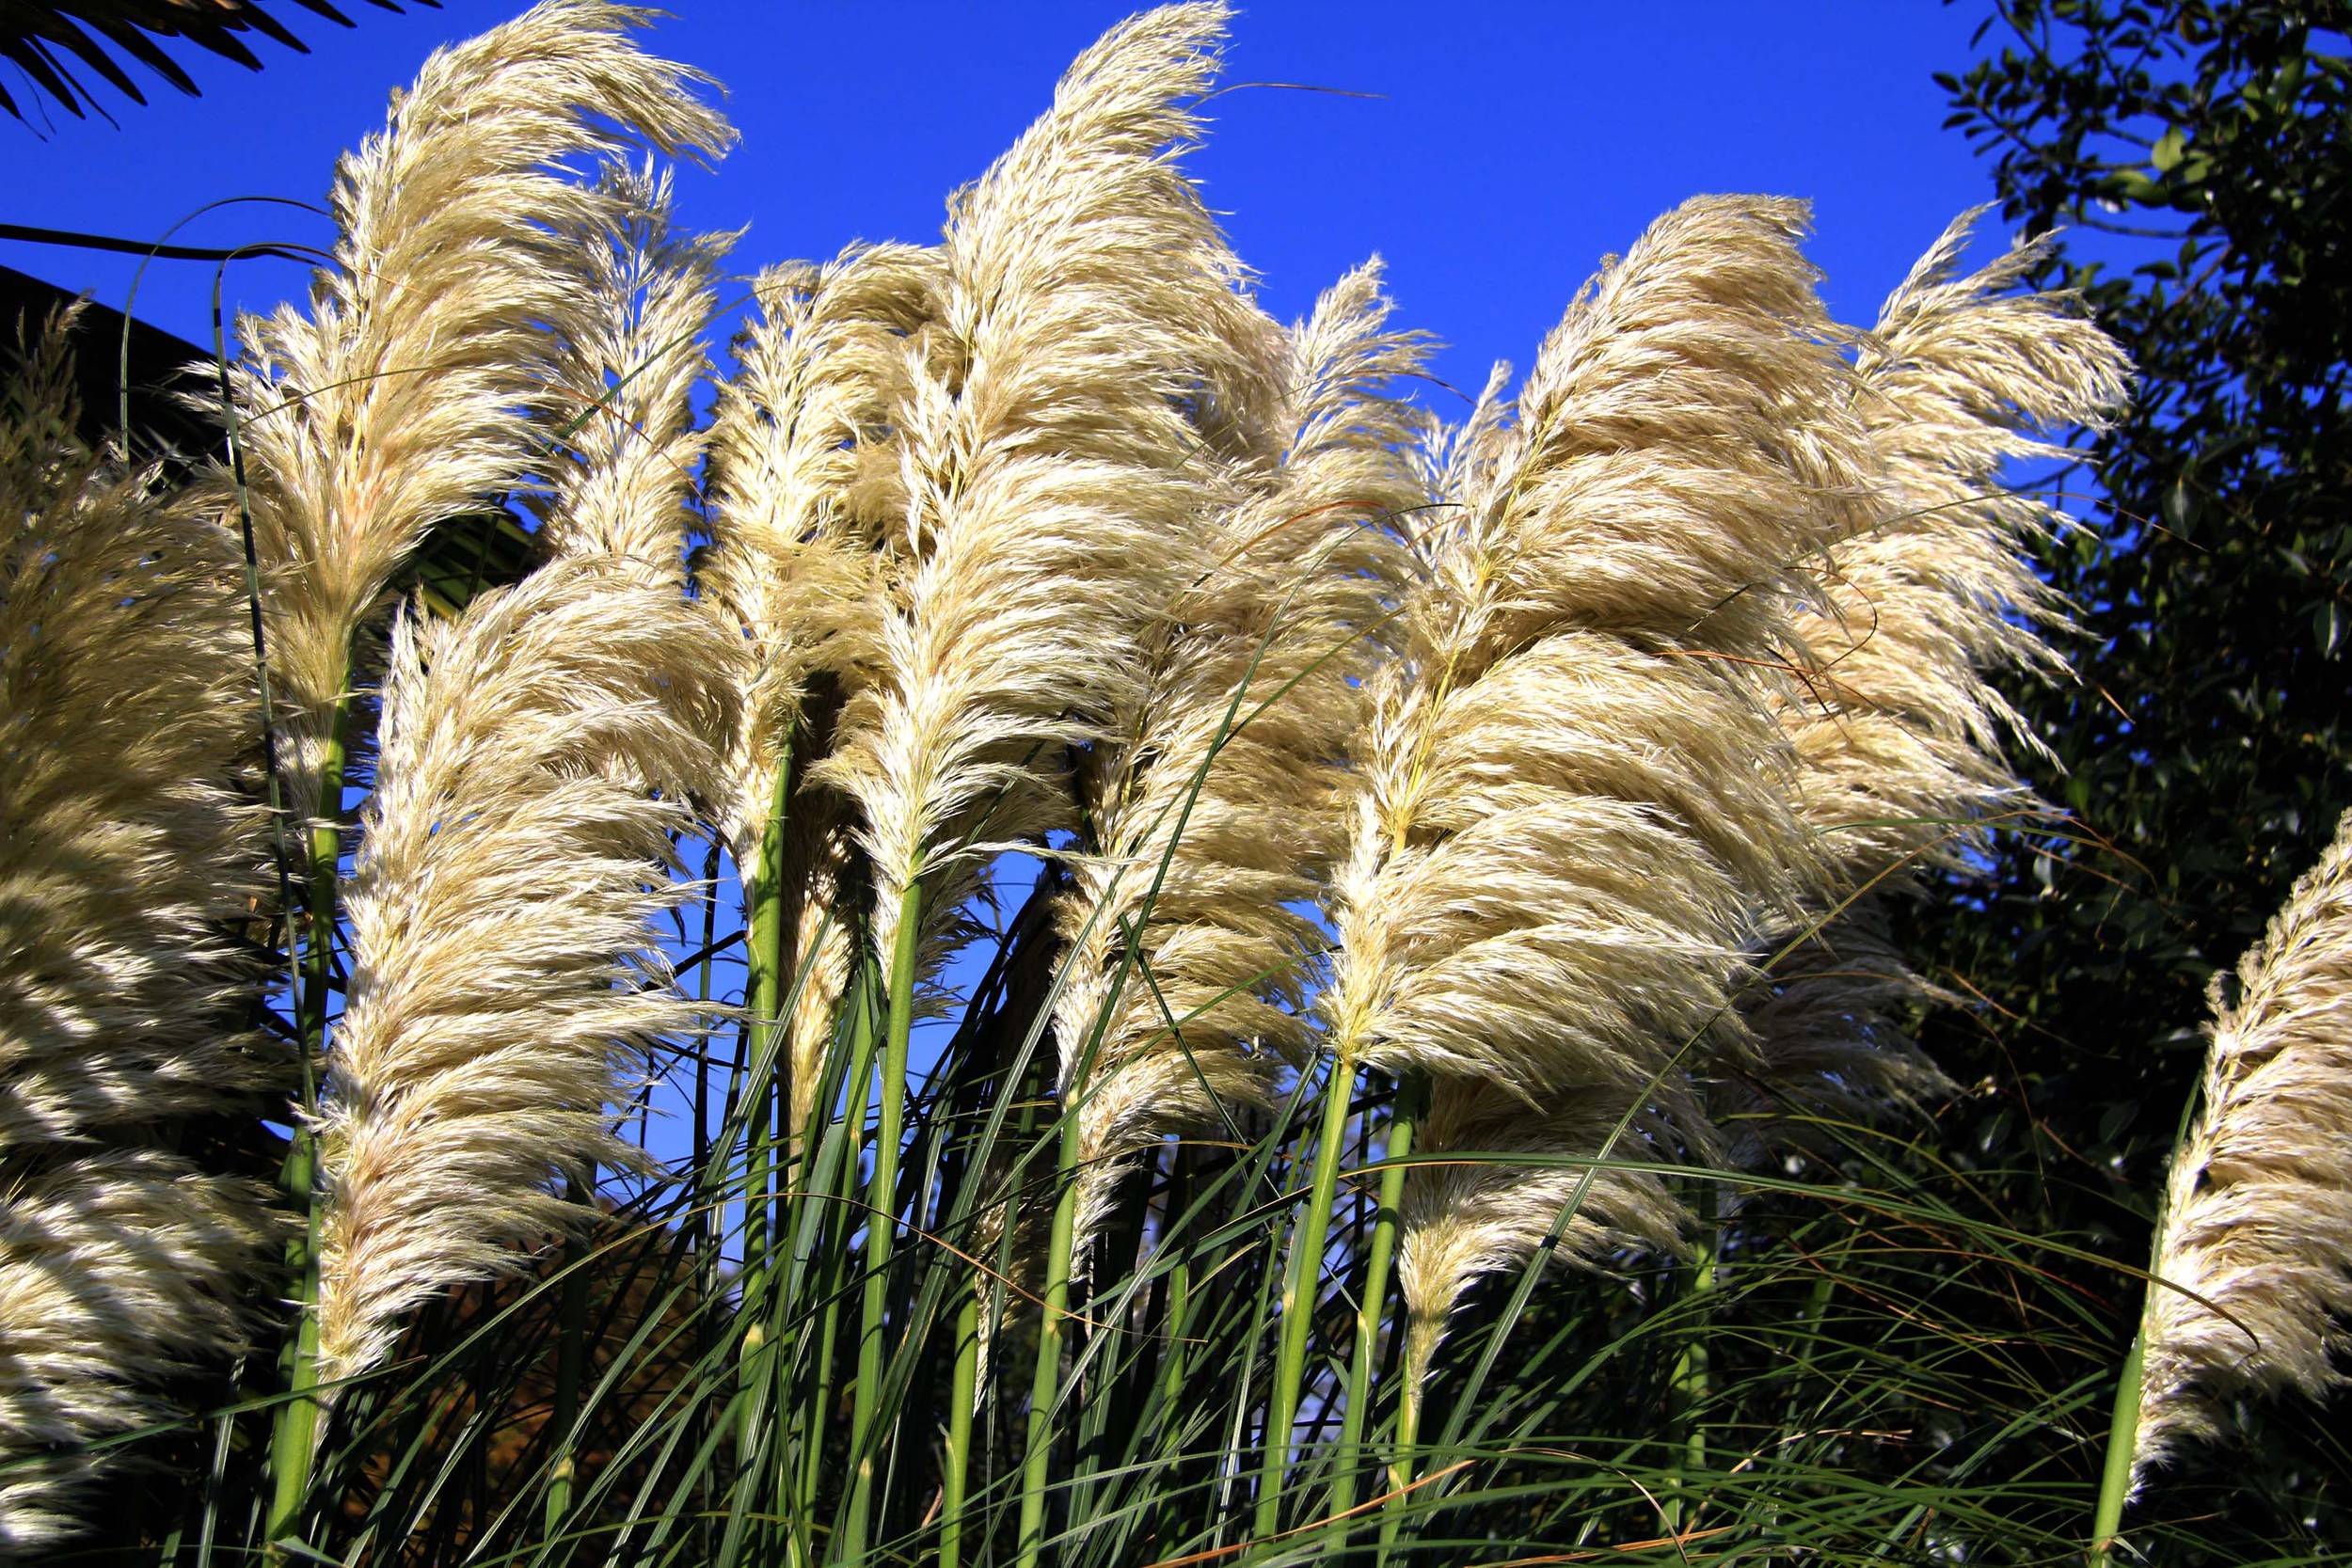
(1901, 738)
(130, 854)
(2257, 1227)
(1089, 335)
(406, 395)
(631, 358)
(1574, 793)
(504, 969)
(1217, 808)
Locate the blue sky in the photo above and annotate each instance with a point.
(1509, 148)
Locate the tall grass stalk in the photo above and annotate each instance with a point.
(571, 1365)
(1302, 1288)
(293, 1434)
(769, 1099)
(1046, 1391)
(1687, 1380)
(881, 1219)
(1409, 1100)
(2115, 1475)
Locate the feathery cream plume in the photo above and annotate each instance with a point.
(130, 853)
(504, 974)
(1463, 1221)
(804, 466)
(2257, 1224)
(118, 1272)
(409, 393)
(1215, 806)
(1574, 789)
(631, 356)
(1051, 440)
(1899, 733)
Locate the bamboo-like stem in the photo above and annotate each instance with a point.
(1400, 1468)
(1045, 1385)
(2115, 1475)
(962, 1388)
(1412, 1097)
(1689, 1377)
(882, 1209)
(1171, 1376)
(707, 1217)
(571, 1362)
(764, 960)
(294, 1432)
(1298, 1298)
(822, 1402)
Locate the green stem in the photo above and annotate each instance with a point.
(1175, 1320)
(1412, 1098)
(962, 1388)
(2114, 1480)
(294, 1432)
(1299, 1291)
(1400, 1468)
(1045, 1382)
(2115, 1476)
(763, 955)
(882, 1225)
(571, 1360)
(823, 1406)
(1689, 1377)
(753, 1088)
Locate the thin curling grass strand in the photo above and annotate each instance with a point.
(538, 753)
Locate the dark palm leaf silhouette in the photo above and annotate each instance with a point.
(50, 40)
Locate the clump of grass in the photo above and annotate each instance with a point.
(1457, 853)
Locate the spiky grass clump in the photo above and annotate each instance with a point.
(132, 862)
(1047, 536)
(2253, 1259)
(503, 972)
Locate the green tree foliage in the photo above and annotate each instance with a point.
(2196, 155)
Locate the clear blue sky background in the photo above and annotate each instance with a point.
(1511, 145)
